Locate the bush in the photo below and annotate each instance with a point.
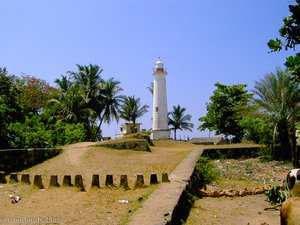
(33, 133)
(30, 134)
(275, 195)
(206, 170)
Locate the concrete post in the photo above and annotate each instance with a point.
(37, 182)
(153, 178)
(79, 182)
(96, 181)
(2, 178)
(124, 182)
(139, 181)
(13, 178)
(25, 178)
(109, 181)
(54, 181)
(67, 181)
(165, 177)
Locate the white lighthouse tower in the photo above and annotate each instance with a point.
(160, 128)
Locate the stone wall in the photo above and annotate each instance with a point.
(231, 153)
(18, 159)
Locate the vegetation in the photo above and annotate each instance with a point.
(178, 120)
(275, 195)
(278, 98)
(131, 109)
(225, 111)
(290, 33)
(206, 170)
(35, 114)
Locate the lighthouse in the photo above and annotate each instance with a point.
(160, 128)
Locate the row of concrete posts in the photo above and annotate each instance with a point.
(78, 182)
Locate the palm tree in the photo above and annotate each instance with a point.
(109, 102)
(72, 107)
(131, 109)
(178, 120)
(64, 83)
(279, 97)
(150, 88)
(88, 79)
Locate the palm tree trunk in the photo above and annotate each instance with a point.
(175, 134)
(98, 129)
(295, 159)
(273, 141)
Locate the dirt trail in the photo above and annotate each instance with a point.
(75, 152)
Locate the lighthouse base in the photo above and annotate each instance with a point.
(160, 134)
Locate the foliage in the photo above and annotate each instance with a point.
(64, 133)
(132, 109)
(225, 110)
(278, 98)
(275, 195)
(30, 134)
(35, 93)
(10, 110)
(290, 33)
(178, 120)
(257, 129)
(109, 103)
(207, 170)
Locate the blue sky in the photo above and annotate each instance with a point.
(200, 41)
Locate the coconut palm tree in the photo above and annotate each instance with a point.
(178, 120)
(279, 97)
(131, 109)
(150, 88)
(64, 83)
(109, 102)
(88, 78)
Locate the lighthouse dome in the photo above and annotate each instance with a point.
(159, 63)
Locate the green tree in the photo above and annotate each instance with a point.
(35, 93)
(279, 97)
(30, 134)
(178, 120)
(88, 79)
(64, 83)
(290, 32)
(132, 109)
(109, 102)
(72, 107)
(10, 110)
(225, 110)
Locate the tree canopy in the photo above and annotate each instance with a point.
(290, 32)
(225, 110)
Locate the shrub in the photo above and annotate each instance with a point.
(275, 195)
(206, 170)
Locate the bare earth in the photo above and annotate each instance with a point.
(67, 205)
(248, 210)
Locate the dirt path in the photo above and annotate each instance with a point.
(75, 152)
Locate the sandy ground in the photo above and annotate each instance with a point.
(248, 210)
(67, 205)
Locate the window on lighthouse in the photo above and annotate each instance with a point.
(156, 109)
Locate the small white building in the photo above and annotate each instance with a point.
(160, 128)
(128, 128)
